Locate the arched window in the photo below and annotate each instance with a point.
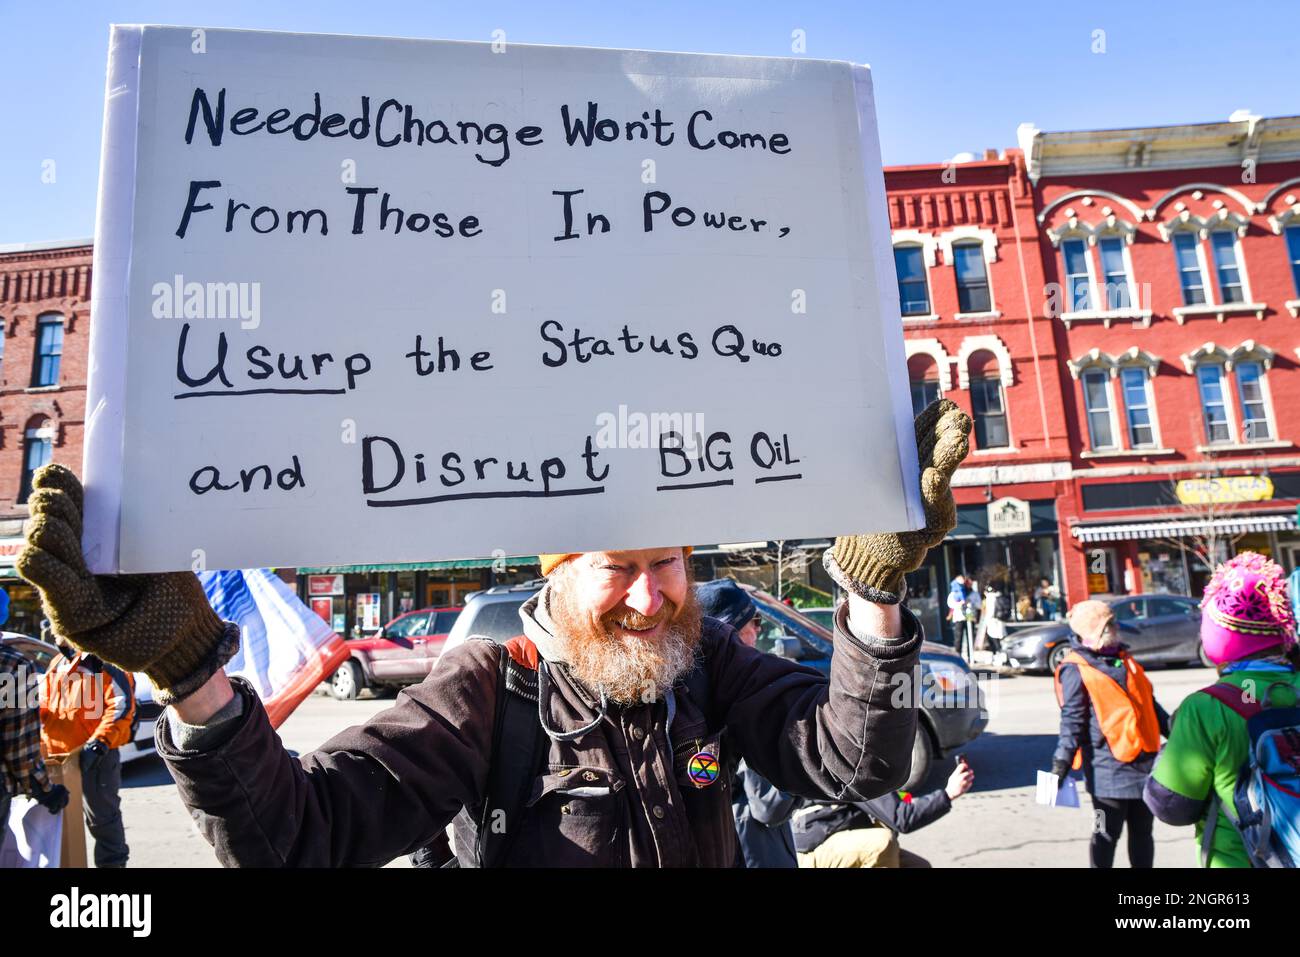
(988, 402)
(913, 292)
(38, 445)
(49, 350)
(1190, 276)
(1293, 254)
(1139, 409)
(972, 277)
(923, 373)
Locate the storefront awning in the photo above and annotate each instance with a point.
(1185, 527)
(418, 566)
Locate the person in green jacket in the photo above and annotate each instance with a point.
(1248, 630)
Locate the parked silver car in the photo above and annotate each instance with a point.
(1158, 629)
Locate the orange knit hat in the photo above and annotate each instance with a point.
(551, 560)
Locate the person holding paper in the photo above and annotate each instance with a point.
(1111, 726)
(639, 704)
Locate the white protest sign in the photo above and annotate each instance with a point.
(381, 300)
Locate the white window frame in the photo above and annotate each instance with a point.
(1107, 376)
(1237, 253)
(925, 278)
(951, 252)
(1148, 386)
(1265, 399)
(1092, 274)
(1229, 406)
(1201, 263)
(1127, 262)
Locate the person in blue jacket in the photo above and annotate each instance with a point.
(762, 810)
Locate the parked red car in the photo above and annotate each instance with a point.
(400, 653)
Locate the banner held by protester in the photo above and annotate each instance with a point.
(410, 290)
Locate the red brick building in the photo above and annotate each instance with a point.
(966, 248)
(1172, 256)
(44, 338)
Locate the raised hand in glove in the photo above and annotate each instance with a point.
(54, 800)
(873, 566)
(160, 624)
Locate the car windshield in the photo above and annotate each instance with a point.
(780, 620)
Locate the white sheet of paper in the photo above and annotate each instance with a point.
(1047, 792)
(550, 444)
(35, 835)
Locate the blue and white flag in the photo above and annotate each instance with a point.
(285, 648)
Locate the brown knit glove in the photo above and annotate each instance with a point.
(160, 624)
(873, 566)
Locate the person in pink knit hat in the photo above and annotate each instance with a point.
(1248, 630)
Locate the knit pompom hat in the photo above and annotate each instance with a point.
(1246, 609)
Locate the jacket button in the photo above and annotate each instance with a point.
(658, 812)
(637, 733)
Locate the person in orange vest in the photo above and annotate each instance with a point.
(1111, 726)
(89, 704)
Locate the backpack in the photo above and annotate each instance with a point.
(1266, 797)
(519, 747)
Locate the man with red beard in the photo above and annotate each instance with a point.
(640, 706)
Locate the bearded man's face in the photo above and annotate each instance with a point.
(626, 621)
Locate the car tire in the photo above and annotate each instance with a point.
(1056, 656)
(347, 682)
(1202, 658)
(923, 755)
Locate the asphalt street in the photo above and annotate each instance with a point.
(996, 825)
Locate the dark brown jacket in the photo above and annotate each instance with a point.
(619, 795)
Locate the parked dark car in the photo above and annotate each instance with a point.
(41, 653)
(401, 653)
(1158, 629)
(952, 706)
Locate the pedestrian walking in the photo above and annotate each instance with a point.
(1111, 726)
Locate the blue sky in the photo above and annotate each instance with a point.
(949, 76)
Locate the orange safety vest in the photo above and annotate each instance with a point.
(1127, 714)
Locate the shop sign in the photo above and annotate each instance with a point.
(9, 549)
(323, 607)
(324, 585)
(1231, 488)
(368, 611)
(1009, 516)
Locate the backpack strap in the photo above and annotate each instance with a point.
(518, 745)
(1233, 698)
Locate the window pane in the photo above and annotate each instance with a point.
(1254, 417)
(1075, 254)
(1096, 397)
(1293, 253)
(38, 454)
(1115, 276)
(1224, 244)
(1137, 408)
(909, 263)
(924, 391)
(990, 416)
(1210, 379)
(49, 349)
(972, 280)
(1189, 269)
